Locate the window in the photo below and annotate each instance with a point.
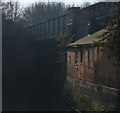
(81, 56)
(88, 56)
(69, 59)
(76, 60)
(76, 57)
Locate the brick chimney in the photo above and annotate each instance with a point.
(72, 19)
(73, 11)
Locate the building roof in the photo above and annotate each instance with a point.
(88, 40)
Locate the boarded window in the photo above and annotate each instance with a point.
(76, 57)
(89, 56)
(81, 56)
(69, 59)
(76, 60)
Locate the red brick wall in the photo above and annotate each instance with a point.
(99, 71)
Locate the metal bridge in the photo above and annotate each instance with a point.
(49, 28)
(75, 21)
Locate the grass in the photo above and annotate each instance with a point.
(86, 103)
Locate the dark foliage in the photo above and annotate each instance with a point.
(30, 71)
(11, 11)
(41, 11)
(110, 42)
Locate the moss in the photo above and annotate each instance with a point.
(98, 106)
(86, 103)
(82, 102)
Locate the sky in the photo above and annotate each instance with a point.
(76, 2)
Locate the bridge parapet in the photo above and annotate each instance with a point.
(77, 21)
(49, 28)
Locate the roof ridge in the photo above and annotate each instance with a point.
(89, 39)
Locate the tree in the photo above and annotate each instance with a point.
(111, 42)
(41, 11)
(17, 51)
(86, 4)
(11, 11)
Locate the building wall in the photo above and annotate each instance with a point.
(100, 70)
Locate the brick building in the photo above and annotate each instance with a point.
(86, 61)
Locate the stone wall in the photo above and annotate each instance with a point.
(106, 95)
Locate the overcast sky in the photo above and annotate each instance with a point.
(66, 1)
(76, 2)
